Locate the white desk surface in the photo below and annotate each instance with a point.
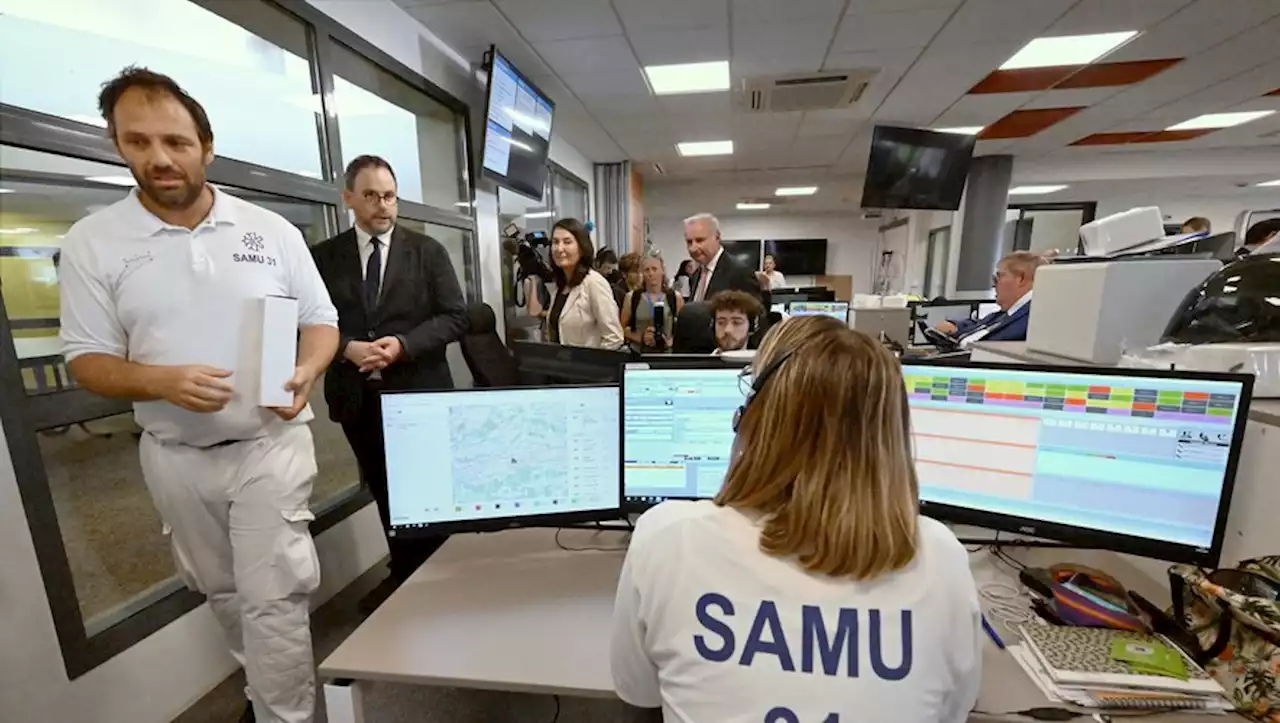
(40, 346)
(511, 611)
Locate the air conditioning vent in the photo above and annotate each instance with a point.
(815, 91)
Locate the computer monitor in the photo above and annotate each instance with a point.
(801, 293)
(677, 427)
(485, 459)
(546, 363)
(1137, 461)
(835, 309)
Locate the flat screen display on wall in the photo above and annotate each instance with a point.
(915, 168)
(517, 134)
(803, 257)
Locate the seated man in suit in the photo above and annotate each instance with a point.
(716, 271)
(1014, 277)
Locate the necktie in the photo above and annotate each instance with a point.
(373, 275)
(703, 278)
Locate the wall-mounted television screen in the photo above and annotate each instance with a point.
(517, 135)
(746, 253)
(914, 168)
(800, 257)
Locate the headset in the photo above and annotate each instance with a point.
(757, 384)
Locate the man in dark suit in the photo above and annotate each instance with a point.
(399, 306)
(717, 271)
(1013, 281)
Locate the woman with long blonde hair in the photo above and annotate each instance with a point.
(810, 590)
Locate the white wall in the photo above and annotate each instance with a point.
(851, 241)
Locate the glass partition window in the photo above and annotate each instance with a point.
(381, 115)
(258, 94)
(570, 195)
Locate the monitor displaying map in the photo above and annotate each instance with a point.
(480, 459)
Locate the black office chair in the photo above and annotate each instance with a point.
(694, 331)
(490, 362)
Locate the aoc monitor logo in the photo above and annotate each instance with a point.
(255, 244)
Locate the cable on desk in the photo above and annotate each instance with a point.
(561, 545)
(1046, 714)
(557, 715)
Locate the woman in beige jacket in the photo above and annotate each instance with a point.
(584, 312)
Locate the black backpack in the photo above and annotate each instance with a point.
(635, 305)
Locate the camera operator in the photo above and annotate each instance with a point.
(648, 313)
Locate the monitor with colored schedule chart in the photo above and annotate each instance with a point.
(835, 309)
(1138, 461)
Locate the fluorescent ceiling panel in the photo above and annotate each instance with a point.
(961, 130)
(1066, 50)
(705, 148)
(1034, 190)
(796, 191)
(1269, 184)
(1220, 120)
(688, 77)
(752, 206)
(538, 214)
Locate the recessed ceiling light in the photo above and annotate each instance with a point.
(6, 190)
(1034, 190)
(113, 180)
(752, 206)
(962, 130)
(1220, 120)
(688, 77)
(1066, 50)
(538, 214)
(705, 148)
(796, 191)
(1269, 184)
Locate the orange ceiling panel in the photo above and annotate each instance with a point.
(1275, 92)
(1025, 123)
(1168, 136)
(1097, 75)
(1111, 139)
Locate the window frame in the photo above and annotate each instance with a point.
(23, 416)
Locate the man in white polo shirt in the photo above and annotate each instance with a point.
(156, 293)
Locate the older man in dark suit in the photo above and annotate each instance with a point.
(399, 306)
(717, 271)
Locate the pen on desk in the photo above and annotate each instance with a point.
(991, 633)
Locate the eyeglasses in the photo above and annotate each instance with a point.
(373, 197)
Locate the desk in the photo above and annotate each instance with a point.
(38, 347)
(511, 611)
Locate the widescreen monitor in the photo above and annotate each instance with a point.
(547, 363)
(1137, 461)
(517, 134)
(834, 309)
(916, 168)
(677, 427)
(485, 459)
(802, 257)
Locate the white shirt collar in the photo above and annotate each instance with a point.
(364, 236)
(1026, 299)
(711, 267)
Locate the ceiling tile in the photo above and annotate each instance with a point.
(875, 31)
(980, 110)
(752, 128)
(1069, 98)
(612, 83)
(694, 45)
(884, 6)
(645, 15)
(1012, 22)
(1196, 28)
(777, 50)
(580, 57)
(1101, 16)
(542, 20)
(1025, 123)
(833, 122)
(465, 24)
(755, 12)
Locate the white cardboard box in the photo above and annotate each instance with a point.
(278, 350)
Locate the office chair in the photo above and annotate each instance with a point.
(490, 362)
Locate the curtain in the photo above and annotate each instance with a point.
(613, 202)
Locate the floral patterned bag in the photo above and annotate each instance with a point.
(1235, 615)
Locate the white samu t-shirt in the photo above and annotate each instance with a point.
(712, 630)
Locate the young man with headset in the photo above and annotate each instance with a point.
(736, 319)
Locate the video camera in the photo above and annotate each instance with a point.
(529, 261)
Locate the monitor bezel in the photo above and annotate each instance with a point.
(500, 178)
(1084, 537)
(664, 361)
(494, 524)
